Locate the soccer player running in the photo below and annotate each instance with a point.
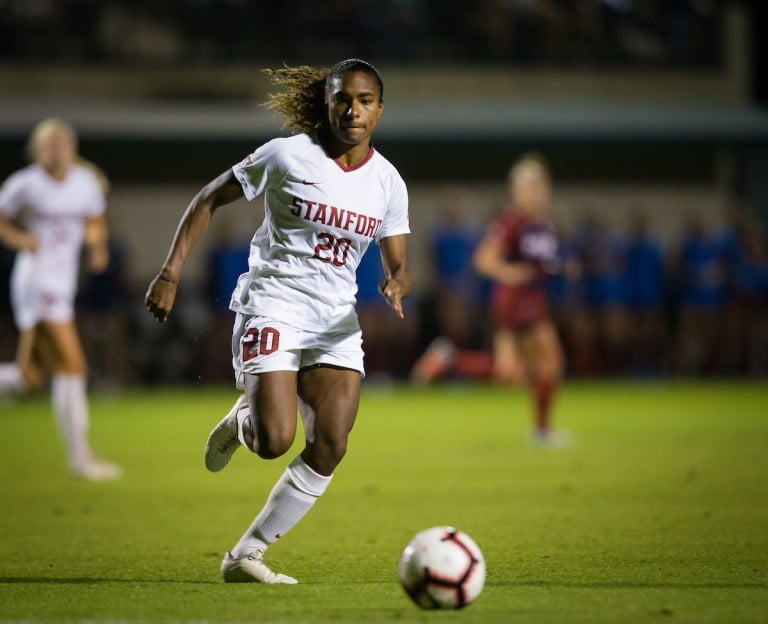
(49, 210)
(518, 252)
(296, 340)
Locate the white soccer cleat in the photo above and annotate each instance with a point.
(96, 470)
(222, 441)
(251, 569)
(435, 361)
(551, 439)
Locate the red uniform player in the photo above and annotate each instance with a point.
(517, 253)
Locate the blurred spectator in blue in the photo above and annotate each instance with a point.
(457, 293)
(647, 291)
(604, 261)
(390, 342)
(567, 305)
(700, 269)
(227, 260)
(745, 343)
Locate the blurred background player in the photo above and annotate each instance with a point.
(518, 252)
(49, 210)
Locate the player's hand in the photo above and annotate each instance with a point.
(27, 242)
(160, 296)
(392, 291)
(98, 259)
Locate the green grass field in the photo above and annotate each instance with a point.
(658, 512)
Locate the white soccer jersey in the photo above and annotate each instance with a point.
(319, 219)
(55, 212)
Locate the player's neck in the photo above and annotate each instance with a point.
(348, 156)
(57, 173)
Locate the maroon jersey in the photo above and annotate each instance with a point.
(523, 240)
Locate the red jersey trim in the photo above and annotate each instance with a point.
(344, 168)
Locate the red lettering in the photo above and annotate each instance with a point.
(250, 344)
(332, 216)
(309, 208)
(296, 210)
(320, 213)
(260, 343)
(270, 341)
(360, 225)
(340, 251)
(373, 225)
(336, 216)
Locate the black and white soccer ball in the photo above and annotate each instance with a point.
(442, 568)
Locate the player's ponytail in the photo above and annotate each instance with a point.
(301, 100)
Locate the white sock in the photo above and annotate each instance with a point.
(70, 406)
(10, 378)
(243, 415)
(292, 497)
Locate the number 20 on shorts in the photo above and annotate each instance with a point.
(260, 342)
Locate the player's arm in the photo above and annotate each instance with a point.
(95, 241)
(397, 279)
(193, 224)
(16, 238)
(489, 261)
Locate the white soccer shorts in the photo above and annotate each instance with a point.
(31, 305)
(261, 344)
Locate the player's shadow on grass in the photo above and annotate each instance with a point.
(630, 585)
(22, 580)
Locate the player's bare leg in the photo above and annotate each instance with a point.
(328, 399)
(23, 373)
(542, 351)
(508, 364)
(260, 420)
(58, 344)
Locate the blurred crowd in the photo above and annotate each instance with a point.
(660, 33)
(637, 306)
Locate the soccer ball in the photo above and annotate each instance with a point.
(442, 568)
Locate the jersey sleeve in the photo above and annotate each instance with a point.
(94, 200)
(259, 169)
(396, 218)
(12, 195)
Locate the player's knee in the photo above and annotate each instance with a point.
(329, 451)
(509, 375)
(272, 445)
(336, 450)
(33, 377)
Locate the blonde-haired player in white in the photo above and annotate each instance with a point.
(49, 210)
(297, 343)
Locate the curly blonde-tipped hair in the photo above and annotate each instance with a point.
(304, 92)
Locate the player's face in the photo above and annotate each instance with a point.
(55, 151)
(530, 191)
(354, 108)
